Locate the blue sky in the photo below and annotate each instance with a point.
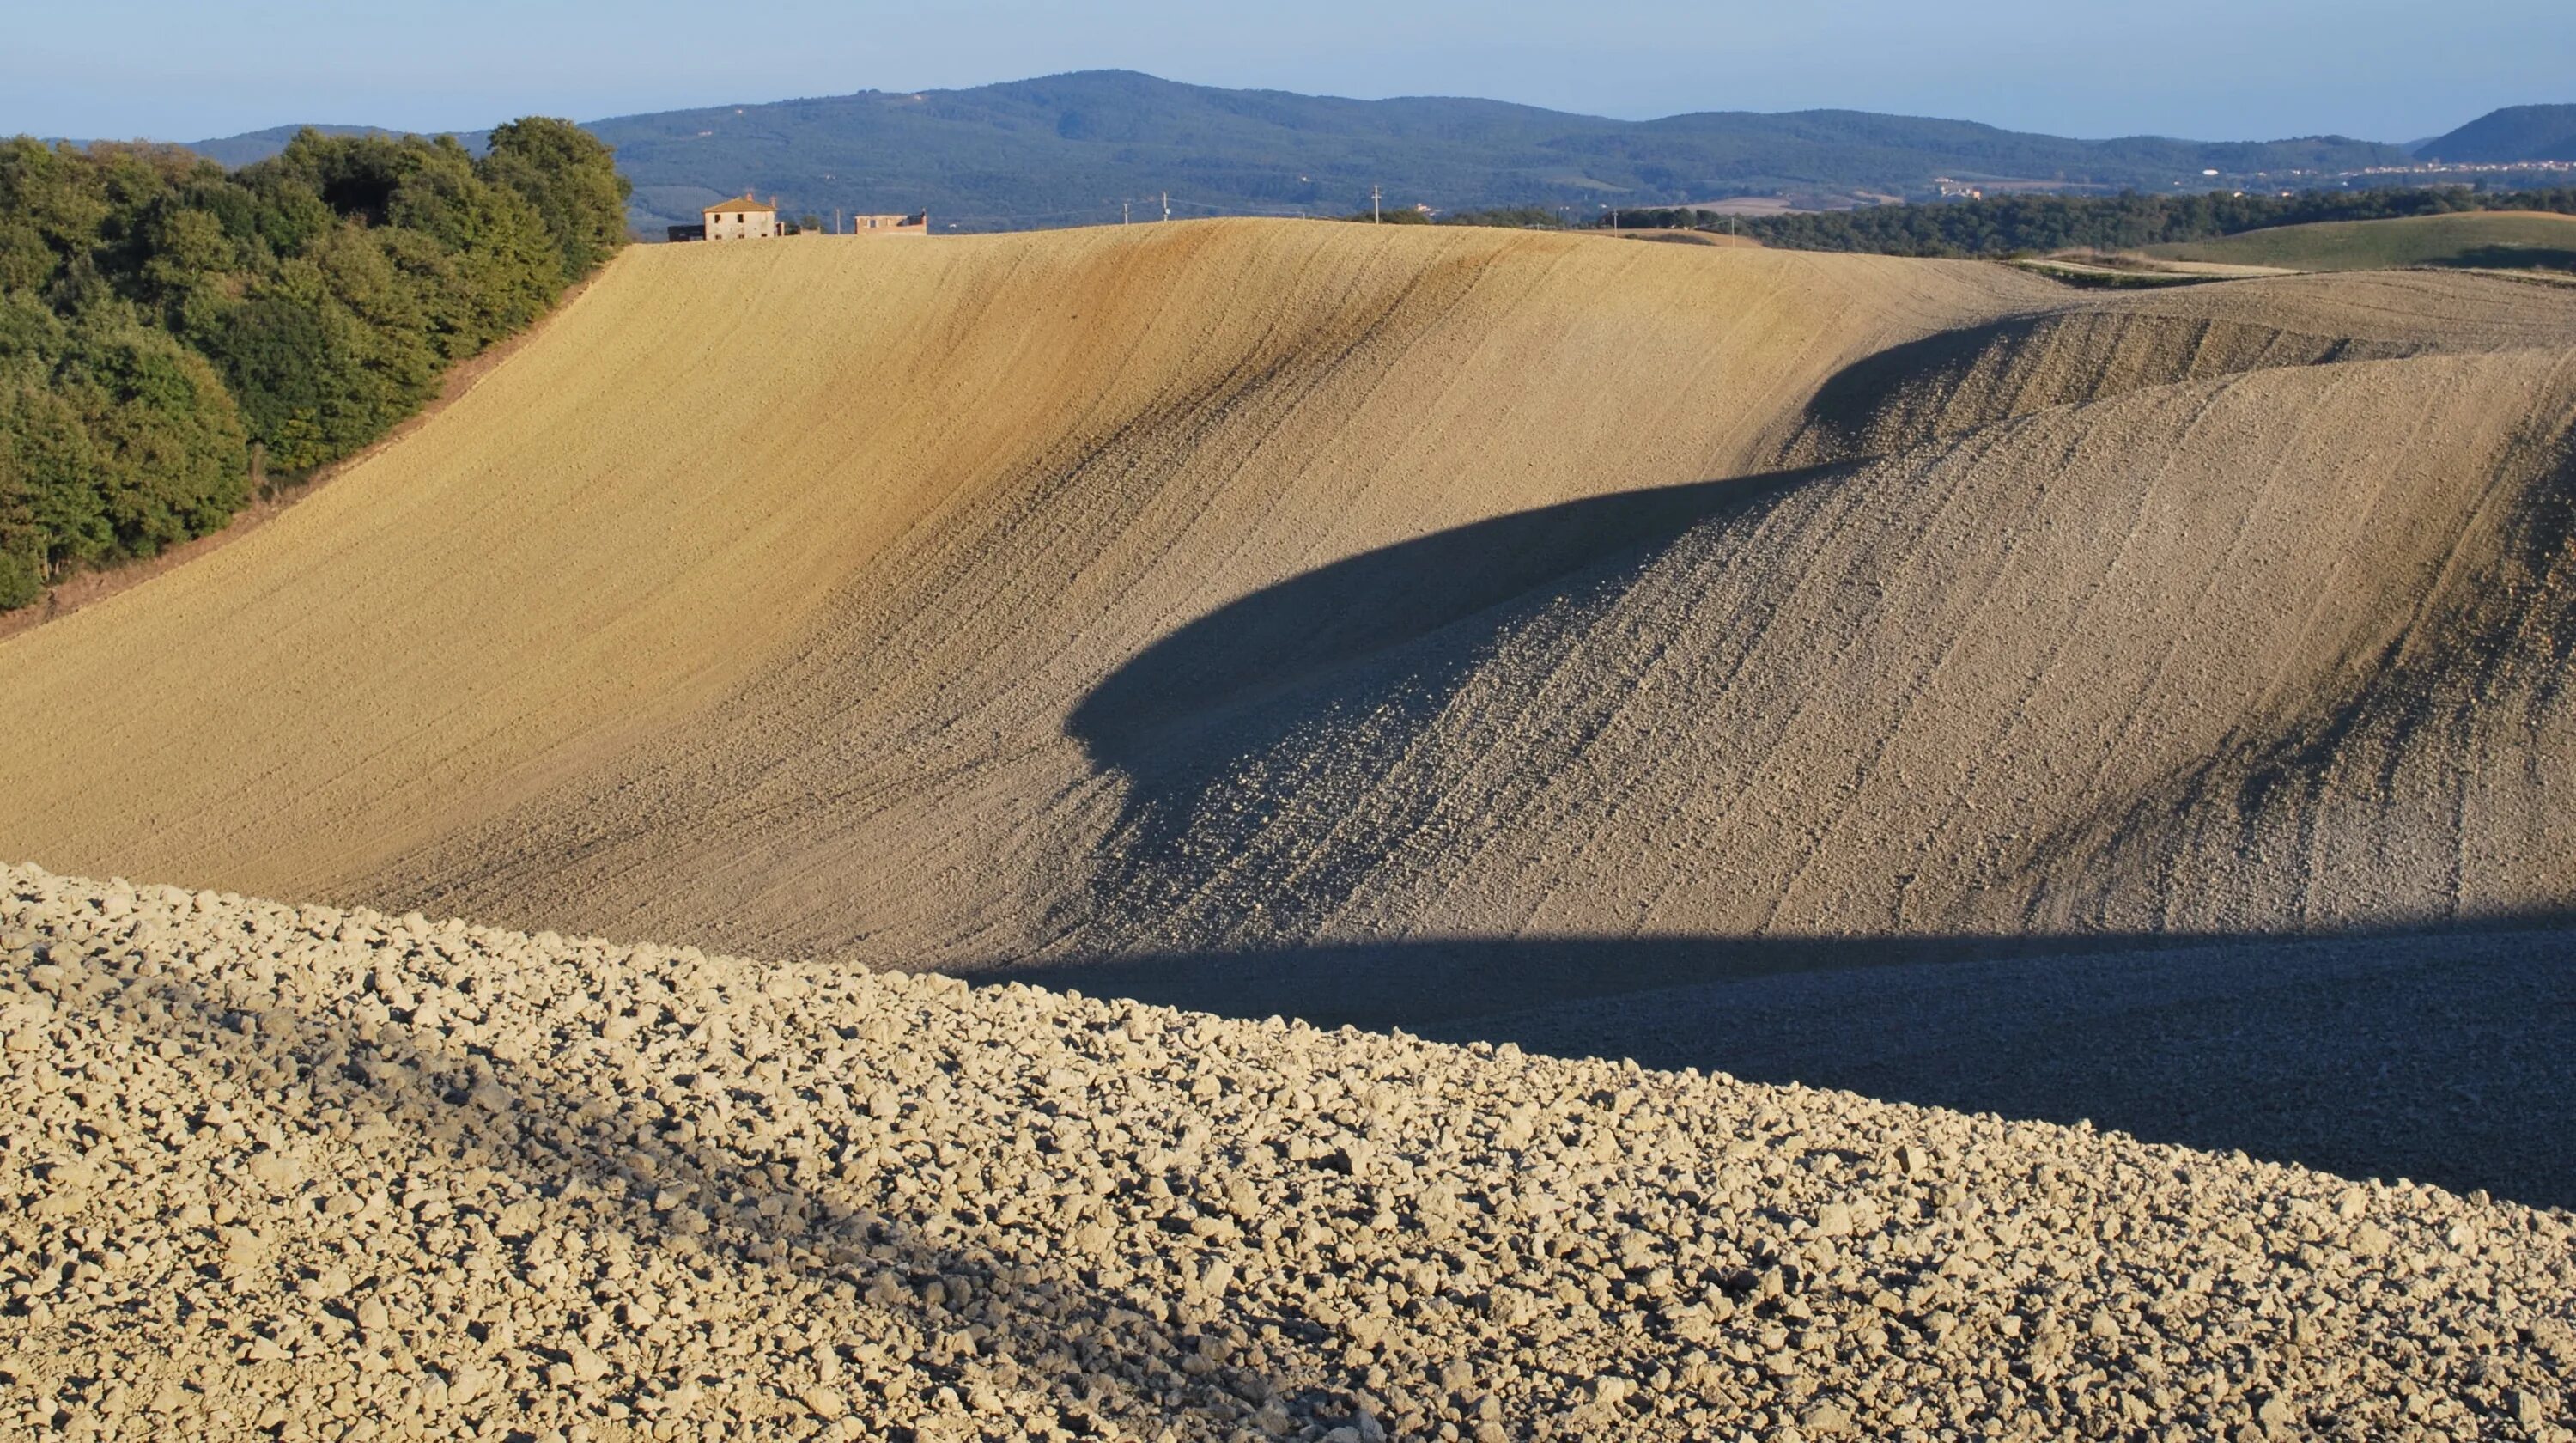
(2215, 69)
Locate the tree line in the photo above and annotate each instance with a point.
(173, 334)
(2035, 224)
(2025, 224)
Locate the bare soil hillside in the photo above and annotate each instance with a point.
(297, 1174)
(1194, 604)
(2234, 655)
(774, 574)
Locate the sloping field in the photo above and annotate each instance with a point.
(1958, 380)
(2228, 655)
(876, 520)
(294, 1173)
(2505, 240)
(1190, 606)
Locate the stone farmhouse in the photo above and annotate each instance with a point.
(891, 225)
(747, 217)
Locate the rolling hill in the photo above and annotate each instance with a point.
(2147, 707)
(1065, 149)
(2502, 137)
(1216, 409)
(2504, 240)
(1268, 586)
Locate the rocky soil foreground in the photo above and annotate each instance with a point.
(312, 1173)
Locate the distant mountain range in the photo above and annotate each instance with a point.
(1068, 149)
(2504, 137)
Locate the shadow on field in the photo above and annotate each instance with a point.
(1339, 670)
(2443, 1055)
(1853, 410)
(689, 1185)
(1268, 643)
(2448, 1057)
(2515, 258)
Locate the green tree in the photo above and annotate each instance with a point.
(300, 361)
(54, 472)
(571, 181)
(54, 195)
(167, 445)
(505, 261)
(22, 537)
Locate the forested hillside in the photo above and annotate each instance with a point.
(172, 334)
(2503, 137)
(1065, 149)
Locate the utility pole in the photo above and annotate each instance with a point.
(1167, 205)
(1374, 196)
(1126, 212)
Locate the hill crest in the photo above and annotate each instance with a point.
(2503, 137)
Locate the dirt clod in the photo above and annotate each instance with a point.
(1015, 1252)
